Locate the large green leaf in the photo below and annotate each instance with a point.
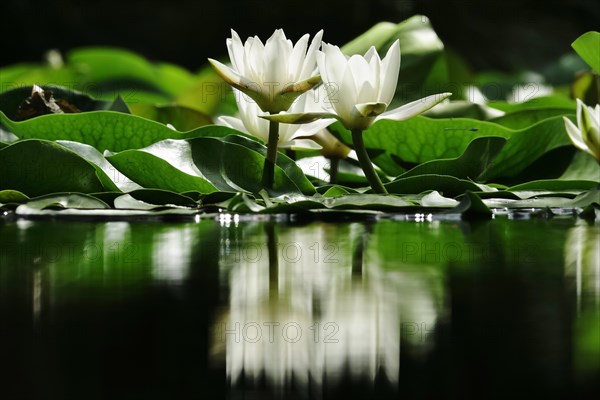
(400, 145)
(38, 167)
(23, 75)
(151, 171)
(463, 109)
(583, 167)
(472, 207)
(62, 201)
(422, 139)
(207, 164)
(111, 68)
(182, 118)
(556, 185)
(290, 168)
(12, 196)
(104, 73)
(112, 178)
(105, 130)
(588, 48)
(553, 101)
(528, 145)
(448, 186)
(162, 197)
(208, 94)
(523, 118)
(584, 199)
(101, 129)
(476, 159)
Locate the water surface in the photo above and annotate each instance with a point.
(241, 309)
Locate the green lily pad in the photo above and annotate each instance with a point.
(39, 167)
(162, 197)
(523, 118)
(472, 207)
(208, 164)
(105, 130)
(449, 186)
(421, 139)
(61, 201)
(151, 171)
(12, 196)
(182, 118)
(116, 181)
(556, 185)
(475, 160)
(552, 101)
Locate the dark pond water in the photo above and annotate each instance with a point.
(234, 309)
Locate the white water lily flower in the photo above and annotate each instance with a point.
(360, 89)
(273, 74)
(296, 137)
(586, 135)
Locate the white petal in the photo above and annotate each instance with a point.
(390, 67)
(309, 62)
(301, 144)
(249, 112)
(297, 58)
(235, 49)
(312, 128)
(276, 58)
(362, 73)
(375, 67)
(580, 107)
(236, 80)
(367, 93)
(372, 52)
(575, 135)
(299, 118)
(231, 122)
(321, 63)
(227, 74)
(345, 100)
(254, 58)
(413, 108)
(278, 34)
(595, 132)
(334, 63)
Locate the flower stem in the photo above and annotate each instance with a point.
(334, 166)
(365, 162)
(269, 168)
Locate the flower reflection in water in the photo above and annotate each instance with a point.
(312, 305)
(582, 264)
(172, 253)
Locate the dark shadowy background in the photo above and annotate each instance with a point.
(499, 35)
